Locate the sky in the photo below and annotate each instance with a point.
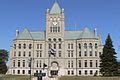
(101, 14)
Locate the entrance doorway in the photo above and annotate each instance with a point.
(54, 73)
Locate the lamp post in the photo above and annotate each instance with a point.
(30, 63)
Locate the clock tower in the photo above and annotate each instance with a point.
(55, 22)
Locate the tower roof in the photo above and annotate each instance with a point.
(25, 35)
(55, 8)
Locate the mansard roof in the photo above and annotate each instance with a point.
(55, 8)
(83, 34)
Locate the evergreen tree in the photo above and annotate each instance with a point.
(109, 65)
(3, 60)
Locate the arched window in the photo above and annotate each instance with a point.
(54, 39)
(85, 45)
(49, 39)
(90, 45)
(59, 39)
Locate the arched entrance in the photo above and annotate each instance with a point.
(54, 69)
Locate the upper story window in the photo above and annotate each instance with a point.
(14, 46)
(18, 63)
(60, 39)
(54, 40)
(24, 46)
(90, 45)
(85, 45)
(79, 53)
(68, 46)
(13, 63)
(29, 54)
(91, 63)
(96, 46)
(59, 46)
(49, 39)
(30, 46)
(24, 53)
(59, 53)
(51, 29)
(71, 46)
(85, 63)
(19, 46)
(79, 46)
(58, 29)
(68, 64)
(19, 53)
(79, 63)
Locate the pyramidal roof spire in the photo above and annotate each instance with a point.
(55, 8)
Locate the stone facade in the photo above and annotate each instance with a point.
(76, 52)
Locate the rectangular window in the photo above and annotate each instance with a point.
(85, 72)
(24, 53)
(23, 71)
(40, 53)
(90, 53)
(51, 29)
(23, 63)
(59, 46)
(68, 72)
(29, 71)
(59, 53)
(13, 63)
(72, 72)
(19, 46)
(13, 71)
(95, 53)
(79, 53)
(68, 46)
(96, 63)
(37, 64)
(91, 63)
(72, 64)
(30, 46)
(71, 46)
(68, 53)
(40, 46)
(79, 72)
(19, 53)
(85, 53)
(37, 46)
(14, 53)
(40, 64)
(85, 63)
(37, 53)
(91, 72)
(18, 63)
(18, 71)
(68, 64)
(14, 46)
(71, 53)
(29, 54)
(79, 63)
(58, 29)
(49, 46)
(54, 46)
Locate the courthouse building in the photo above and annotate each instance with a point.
(73, 52)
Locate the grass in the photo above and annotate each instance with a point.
(88, 78)
(15, 77)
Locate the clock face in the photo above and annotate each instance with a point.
(54, 23)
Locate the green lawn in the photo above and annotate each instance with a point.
(88, 78)
(15, 77)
